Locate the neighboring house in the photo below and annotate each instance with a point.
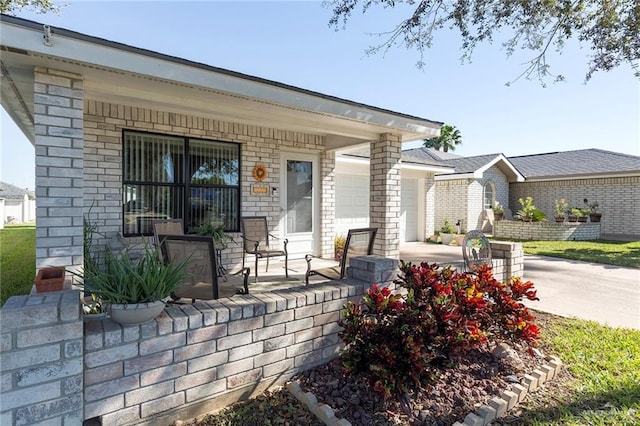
(129, 135)
(439, 186)
(610, 179)
(19, 205)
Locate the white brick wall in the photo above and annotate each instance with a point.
(618, 199)
(451, 202)
(105, 122)
(41, 358)
(58, 123)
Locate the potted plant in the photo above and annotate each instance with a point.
(498, 211)
(594, 214)
(527, 209)
(447, 232)
(559, 208)
(216, 231)
(133, 291)
(574, 214)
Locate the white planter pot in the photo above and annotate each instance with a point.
(135, 313)
(446, 238)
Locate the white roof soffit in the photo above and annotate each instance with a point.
(150, 79)
(403, 165)
(427, 168)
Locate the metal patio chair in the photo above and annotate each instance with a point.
(167, 227)
(359, 242)
(255, 241)
(201, 280)
(476, 250)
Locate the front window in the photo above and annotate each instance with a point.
(172, 177)
(488, 195)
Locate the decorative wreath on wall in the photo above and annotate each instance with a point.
(259, 172)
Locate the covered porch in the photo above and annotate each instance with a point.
(123, 135)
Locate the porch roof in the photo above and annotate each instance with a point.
(127, 75)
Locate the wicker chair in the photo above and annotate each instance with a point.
(359, 242)
(476, 250)
(201, 278)
(255, 241)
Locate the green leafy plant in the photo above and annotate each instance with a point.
(560, 207)
(221, 238)
(527, 208)
(395, 340)
(576, 211)
(497, 208)
(447, 228)
(538, 216)
(593, 207)
(124, 280)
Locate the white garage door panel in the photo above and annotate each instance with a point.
(409, 210)
(352, 202)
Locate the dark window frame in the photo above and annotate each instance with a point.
(185, 184)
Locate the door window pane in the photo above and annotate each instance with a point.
(299, 196)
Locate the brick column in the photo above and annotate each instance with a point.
(384, 205)
(58, 117)
(327, 203)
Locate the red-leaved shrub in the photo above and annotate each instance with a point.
(396, 340)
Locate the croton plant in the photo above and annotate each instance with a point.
(396, 340)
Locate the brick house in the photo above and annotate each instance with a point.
(439, 186)
(129, 135)
(17, 205)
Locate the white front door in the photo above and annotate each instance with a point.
(298, 200)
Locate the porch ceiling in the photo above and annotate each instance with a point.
(125, 75)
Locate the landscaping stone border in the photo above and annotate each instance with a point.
(483, 416)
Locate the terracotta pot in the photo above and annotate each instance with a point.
(573, 218)
(559, 219)
(498, 216)
(595, 217)
(49, 279)
(583, 219)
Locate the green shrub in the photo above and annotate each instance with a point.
(395, 341)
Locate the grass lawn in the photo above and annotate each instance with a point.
(605, 365)
(17, 260)
(618, 253)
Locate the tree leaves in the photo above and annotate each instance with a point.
(609, 28)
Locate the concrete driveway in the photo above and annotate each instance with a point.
(607, 294)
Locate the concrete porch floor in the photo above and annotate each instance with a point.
(274, 278)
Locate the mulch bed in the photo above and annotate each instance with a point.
(453, 393)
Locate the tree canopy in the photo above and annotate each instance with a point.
(447, 141)
(609, 28)
(10, 7)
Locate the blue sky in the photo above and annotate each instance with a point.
(291, 42)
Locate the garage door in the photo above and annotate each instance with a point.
(409, 210)
(352, 202)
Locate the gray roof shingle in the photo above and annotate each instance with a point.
(12, 192)
(578, 162)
